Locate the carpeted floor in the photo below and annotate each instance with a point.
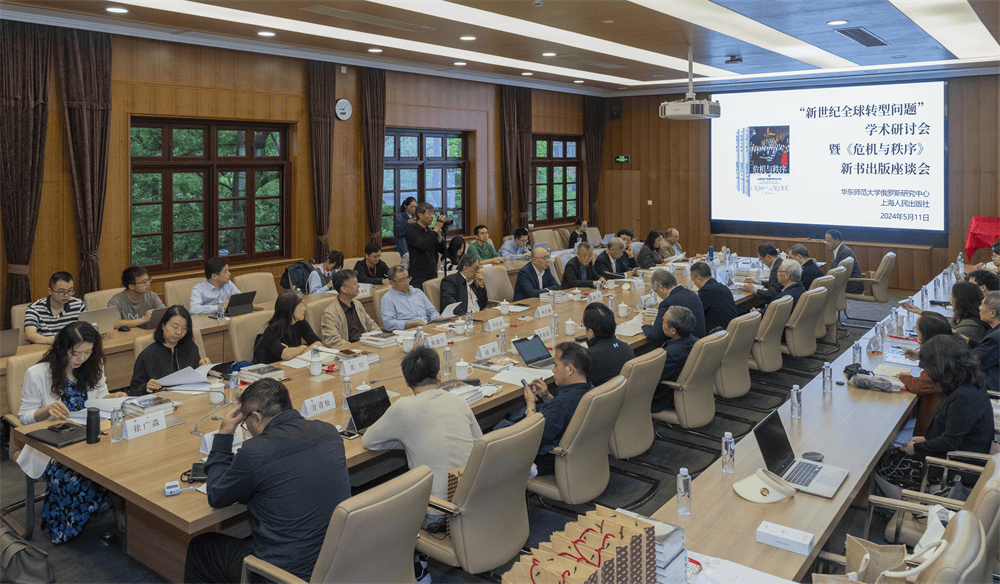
(89, 559)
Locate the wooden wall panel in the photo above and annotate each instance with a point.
(556, 113)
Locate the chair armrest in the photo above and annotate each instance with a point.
(993, 394)
(672, 384)
(273, 573)
(966, 454)
(13, 420)
(896, 504)
(861, 280)
(927, 499)
(952, 465)
(444, 506)
(559, 451)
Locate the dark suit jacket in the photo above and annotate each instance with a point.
(768, 293)
(988, 351)
(611, 269)
(678, 351)
(842, 254)
(794, 290)
(810, 271)
(453, 289)
(572, 278)
(607, 356)
(679, 296)
(719, 305)
(526, 285)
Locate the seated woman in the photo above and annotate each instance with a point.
(580, 234)
(929, 325)
(963, 420)
(173, 349)
(70, 373)
(649, 254)
(288, 334)
(965, 300)
(456, 249)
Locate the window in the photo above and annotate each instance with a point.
(555, 176)
(226, 186)
(428, 166)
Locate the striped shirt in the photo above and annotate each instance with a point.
(39, 315)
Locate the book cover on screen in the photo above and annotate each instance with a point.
(762, 160)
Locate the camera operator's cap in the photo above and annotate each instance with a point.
(764, 487)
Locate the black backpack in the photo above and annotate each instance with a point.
(296, 277)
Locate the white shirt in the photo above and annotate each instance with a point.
(37, 391)
(540, 275)
(473, 303)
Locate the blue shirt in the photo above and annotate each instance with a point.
(399, 309)
(559, 412)
(510, 251)
(316, 283)
(206, 298)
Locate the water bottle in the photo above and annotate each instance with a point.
(418, 337)
(555, 325)
(900, 319)
(960, 264)
(684, 493)
(923, 297)
(503, 339)
(117, 425)
(796, 402)
(611, 302)
(447, 358)
(827, 378)
(711, 253)
(856, 353)
(468, 320)
(346, 391)
(220, 313)
(234, 385)
(937, 287)
(314, 354)
(598, 285)
(728, 453)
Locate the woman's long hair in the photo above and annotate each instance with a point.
(651, 240)
(406, 203)
(284, 307)
(456, 249)
(949, 363)
(175, 310)
(90, 372)
(968, 297)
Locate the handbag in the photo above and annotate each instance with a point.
(882, 564)
(21, 562)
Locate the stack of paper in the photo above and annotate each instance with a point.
(458, 387)
(630, 328)
(188, 379)
(514, 375)
(378, 339)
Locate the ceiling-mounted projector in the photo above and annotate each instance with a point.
(690, 108)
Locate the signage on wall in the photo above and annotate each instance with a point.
(621, 159)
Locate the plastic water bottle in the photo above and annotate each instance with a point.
(555, 325)
(827, 378)
(711, 253)
(234, 385)
(796, 402)
(728, 453)
(923, 297)
(345, 391)
(468, 319)
(418, 337)
(960, 265)
(856, 353)
(684, 493)
(503, 339)
(314, 354)
(611, 302)
(220, 313)
(552, 300)
(447, 358)
(598, 285)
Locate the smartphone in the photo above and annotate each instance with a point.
(198, 473)
(350, 435)
(60, 428)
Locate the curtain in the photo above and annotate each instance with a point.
(372, 88)
(322, 99)
(25, 59)
(515, 155)
(593, 140)
(83, 61)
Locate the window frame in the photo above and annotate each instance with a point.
(549, 162)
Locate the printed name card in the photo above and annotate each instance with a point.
(543, 310)
(488, 350)
(318, 405)
(364, 289)
(544, 333)
(638, 283)
(594, 297)
(352, 366)
(495, 324)
(143, 425)
(438, 340)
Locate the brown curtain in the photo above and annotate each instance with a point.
(593, 141)
(372, 86)
(25, 60)
(322, 99)
(83, 60)
(515, 155)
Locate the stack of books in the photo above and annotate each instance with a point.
(458, 387)
(149, 404)
(491, 365)
(557, 297)
(378, 339)
(348, 354)
(253, 373)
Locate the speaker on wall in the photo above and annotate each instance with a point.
(616, 108)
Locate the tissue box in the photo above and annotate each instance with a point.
(786, 538)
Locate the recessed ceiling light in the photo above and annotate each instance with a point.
(374, 50)
(899, 56)
(658, 75)
(608, 21)
(527, 73)
(460, 63)
(837, 22)
(548, 54)
(578, 81)
(265, 33)
(116, 10)
(467, 38)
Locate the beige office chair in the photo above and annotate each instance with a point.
(582, 469)
(262, 283)
(545, 236)
(432, 290)
(99, 299)
(391, 258)
(370, 538)
(562, 237)
(17, 366)
(140, 344)
(800, 331)
(828, 281)
(243, 330)
(594, 236)
(732, 380)
(377, 294)
(488, 513)
(179, 292)
(559, 265)
(507, 238)
(17, 321)
(826, 327)
(498, 286)
(877, 282)
(314, 313)
(766, 356)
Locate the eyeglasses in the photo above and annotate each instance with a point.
(401, 280)
(179, 328)
(146, 281)
(68, 292)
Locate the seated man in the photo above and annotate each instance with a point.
(321, 278)
(291, 476)
(517, 248)
(464, 286)
(677, 329)
(345, 320)
(613, 263)
(579, 271)
(988, 348)
(215, 290)
(671, 245)
(136, 303)
(789, 274)
(810, 271)
(481, 248)
(985, 279)
(665, 285)
(404, 307)
(716, 299)
(834, 242)
(627, 237)
(535, 277)
(45, 317)
(372, 270)
(769, 258)
(607, 352)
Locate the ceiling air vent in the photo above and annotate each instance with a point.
(367, 19)
(861, 35)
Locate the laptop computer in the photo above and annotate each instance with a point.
(806, 476)
(60, 435)
(154, 319)
(534, 352)
(607, 239)
(103, 319)
(366, 408)
(241, 303)
(8, 342)
(543, 244)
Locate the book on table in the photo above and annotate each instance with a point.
(252, 373)
(378, 339)
(150, 404)
(348, 354)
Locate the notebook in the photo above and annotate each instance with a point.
(806, 476)
(241, 303)
(8, 342)
(71, 434)
(103, 319)
(154, 319)
(534, 352)
(366, 408)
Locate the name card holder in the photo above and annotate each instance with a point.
(364, 289)
(543, 310)
(144, 425)
(495, 324)
(544, 333)
(638, 283)
(352, 366)
(488, 350)
(318, 404)
(594, 297)
(438, 340)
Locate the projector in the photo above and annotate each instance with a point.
(690, 109)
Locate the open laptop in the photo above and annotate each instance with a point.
(543, 244)
(103, 319)
(154, 319)
(8, 342)
(806, 476)
(607, 239)
(366, 408)
(534, 352)
(241, 303)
